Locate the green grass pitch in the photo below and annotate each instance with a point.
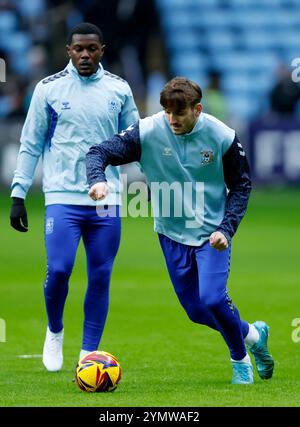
(166, 359)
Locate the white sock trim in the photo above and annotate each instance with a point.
(83, 353)
(252, 336)
(246, 359)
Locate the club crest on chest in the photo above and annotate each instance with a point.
(207, 157)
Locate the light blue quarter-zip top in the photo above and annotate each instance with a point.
(68, 114)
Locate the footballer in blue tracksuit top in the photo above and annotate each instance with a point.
(69, 112)
(183, 146)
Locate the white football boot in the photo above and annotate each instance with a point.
(52, 352)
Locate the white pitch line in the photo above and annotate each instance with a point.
(29, 356)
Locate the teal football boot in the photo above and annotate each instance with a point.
(242, 373)
(263, 359)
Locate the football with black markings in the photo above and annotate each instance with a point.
(98, 371)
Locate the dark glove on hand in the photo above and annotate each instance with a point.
(18, 215)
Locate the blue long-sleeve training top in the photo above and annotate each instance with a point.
(68, 114)
(208, 164)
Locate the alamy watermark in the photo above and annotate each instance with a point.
(170, 200)
(2, 71)
(296, 331)
(296, 72)
(2, 330)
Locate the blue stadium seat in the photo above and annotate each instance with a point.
(243, 107)
(258, 40)
(8, 21)
(221, 40)
(183, 62)
(254, 18)
(245, 61)
(177, 21)
(235, 84)
(32, 8)
(167, 6)
(288, 18)
(188, 4)
(246, 4)
(293, 3)
(247, 83)
(183, 40)
(206, 4)
(6, 105)
(212, 20)
(289, 39)
(289, 54)
(16, 44)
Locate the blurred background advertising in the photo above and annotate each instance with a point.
(245, 55)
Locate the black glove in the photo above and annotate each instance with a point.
(18, 215)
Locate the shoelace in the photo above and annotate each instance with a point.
(55, 341)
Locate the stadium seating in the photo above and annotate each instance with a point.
(245, 40)
(8, 21)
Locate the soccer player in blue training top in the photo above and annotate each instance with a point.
(183, 145)
(68, 113)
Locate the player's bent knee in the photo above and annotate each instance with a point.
(59, 274)
(212, 302)
(195, 316)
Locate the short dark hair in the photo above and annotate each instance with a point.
(180, 93)
(85, 28)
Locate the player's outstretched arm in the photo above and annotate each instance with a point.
(118, 150)
(18, 215)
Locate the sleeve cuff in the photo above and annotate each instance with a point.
(18, 191)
